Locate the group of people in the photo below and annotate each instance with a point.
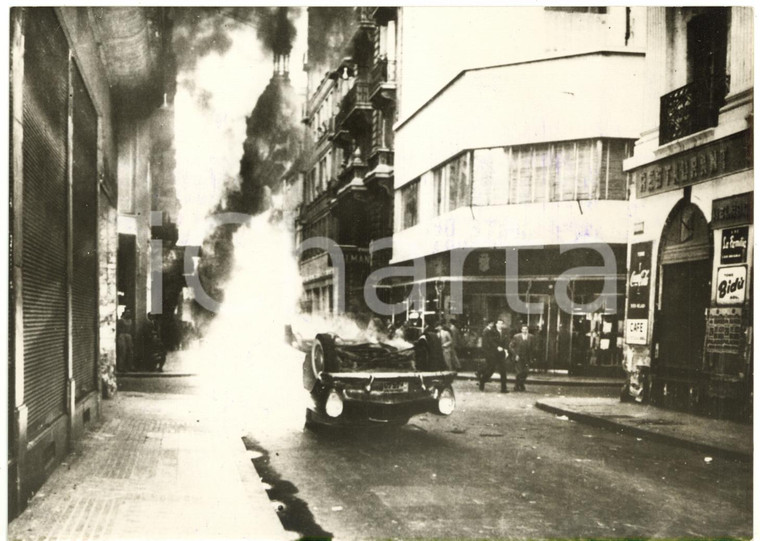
(155, 352)
(498, 349)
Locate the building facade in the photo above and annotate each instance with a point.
(71, 77)
(509, 152)
(691, 233)
(348, 171)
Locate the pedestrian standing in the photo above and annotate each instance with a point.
(495, 354)
(455, 344)
(445, 336)
(124, 341)
(522, 347)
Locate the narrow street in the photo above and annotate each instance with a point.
(498, 468)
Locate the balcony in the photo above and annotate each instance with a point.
(355, 112)
(383, 83)
(692, 108)
(326, 130)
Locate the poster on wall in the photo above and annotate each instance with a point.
(733, 245)
(636, 331)
(731, 287)
(639, 279)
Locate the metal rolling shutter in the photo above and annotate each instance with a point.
(84, 282)
(44, 218)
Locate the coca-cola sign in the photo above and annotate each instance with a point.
(639, 280)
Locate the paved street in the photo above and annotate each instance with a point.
(497, 468)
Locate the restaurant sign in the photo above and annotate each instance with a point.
(693, 166)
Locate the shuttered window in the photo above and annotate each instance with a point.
(84, 281)
(44, 218)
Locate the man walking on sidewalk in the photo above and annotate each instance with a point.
(522, 347)
(495, 354)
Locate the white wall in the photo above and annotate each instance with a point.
(515, 225)
(567, 98)
(438, 43)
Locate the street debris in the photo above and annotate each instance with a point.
(708, 459)
(563, 417)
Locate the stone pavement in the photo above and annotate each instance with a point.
(157, 466)
(713, 437)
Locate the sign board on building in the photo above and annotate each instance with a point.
(696, 165)
(732, 285)
(733, 245)
(639, 280)
(724, 331)
(733, 210)
(636, 331)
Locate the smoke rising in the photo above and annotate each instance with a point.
(330, 30)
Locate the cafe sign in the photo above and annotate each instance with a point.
(693, 166)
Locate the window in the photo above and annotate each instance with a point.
(459, 181)
(409, 204)
(565, 171)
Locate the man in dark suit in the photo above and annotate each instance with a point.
(495, 354)
(522, 347)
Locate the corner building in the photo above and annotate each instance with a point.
(510, 144)
(691, 234)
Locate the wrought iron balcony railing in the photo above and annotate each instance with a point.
(692, 108)
(355, 101)
(383, 82)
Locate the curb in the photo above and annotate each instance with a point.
(155, 374)
(600, 422)
(258, 498)
(566, 383)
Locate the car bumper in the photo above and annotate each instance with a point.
(378, 398)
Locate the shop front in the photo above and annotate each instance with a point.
(577, 321)
(689, 292)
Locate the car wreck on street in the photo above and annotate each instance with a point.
(354, 382)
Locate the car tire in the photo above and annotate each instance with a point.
(323, 357)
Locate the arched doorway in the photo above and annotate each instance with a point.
(685, 267)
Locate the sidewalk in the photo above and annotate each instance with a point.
(715, 438)
(157, 466)
(554, 378)
(178, 364)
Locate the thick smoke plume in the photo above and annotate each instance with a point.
(236, 152)
(330, 30)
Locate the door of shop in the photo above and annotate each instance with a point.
(685, 296)
(684, 292)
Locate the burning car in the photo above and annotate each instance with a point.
(355, 382)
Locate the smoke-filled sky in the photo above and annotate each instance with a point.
(224, 62)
